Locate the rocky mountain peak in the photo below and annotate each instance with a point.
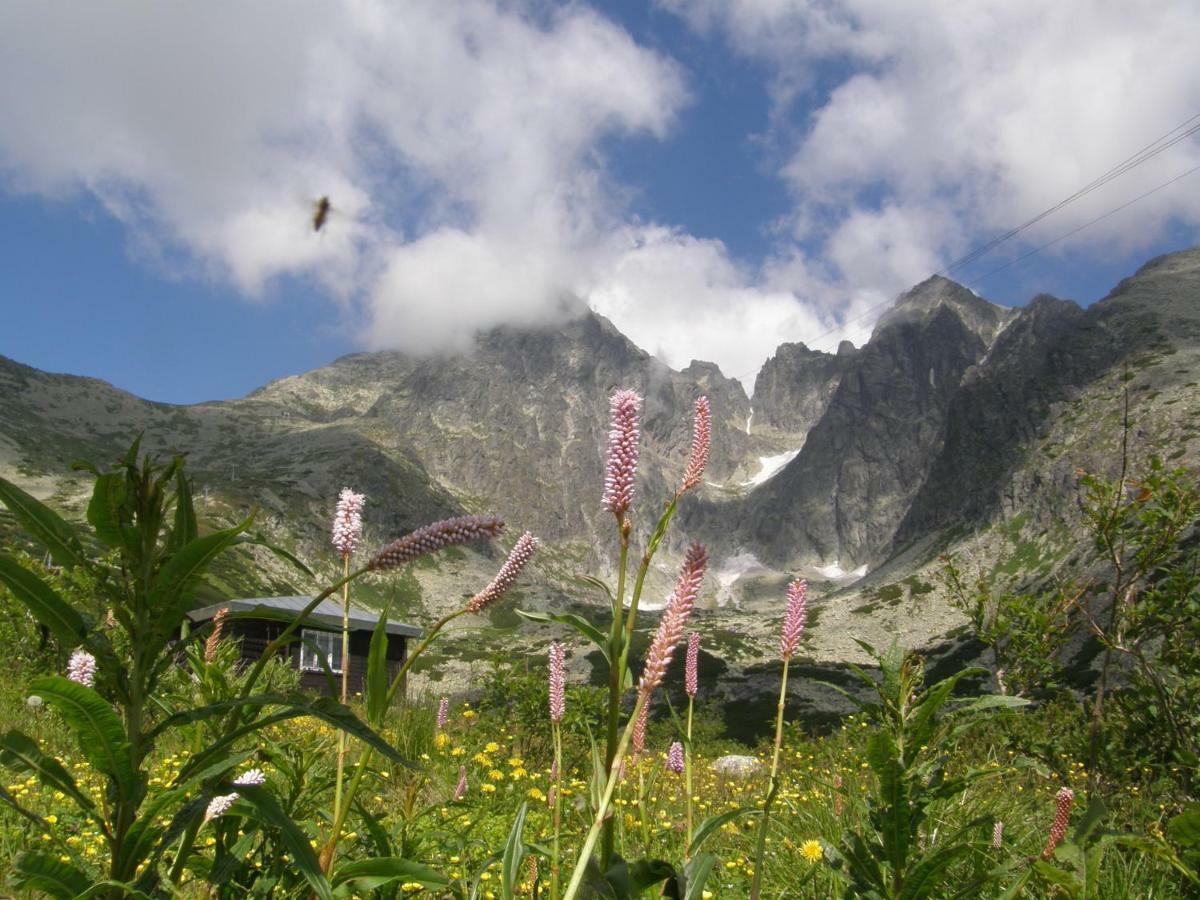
(982, 317)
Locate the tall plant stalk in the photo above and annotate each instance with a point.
(760, 845)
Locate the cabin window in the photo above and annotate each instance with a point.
(327, 644)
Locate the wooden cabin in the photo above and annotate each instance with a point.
(320, 637)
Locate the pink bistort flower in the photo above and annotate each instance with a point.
(701, 441)
(508, 573)
(81, 668)
(794, 618)
(621, 466)
(558, 686)
(347, 522)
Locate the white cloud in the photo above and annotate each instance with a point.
(949, 123)
(682, 298)
(456, 141)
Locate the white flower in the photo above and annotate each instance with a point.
(81, 668)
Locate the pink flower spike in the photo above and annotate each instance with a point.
(558, 698)
(443, 713)
(1063, 801)
(794, 618)
(347, 522)
(701, 441)
(431, 538)
(81, 668)
(460, 789)
(675, 618)
(675, 758)
(691, 679)
(508, 573)
(639, 730)
(622, 460)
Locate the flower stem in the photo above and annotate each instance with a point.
(555, 864)
(773, 788)
(341, 735)
(601, 811)
(330, 849)
(687, 784)
(617, 651)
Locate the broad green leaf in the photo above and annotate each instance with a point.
(514, 852)
(712, 823)
(184, 530)
(258, 540)
(44, 602)
(695, 875)
(44, 524)
(599, 584)
(293, 838)
(42, 872)
(895, 814)
(370, 874)
(925, 877)
(327, 709)
(106, 889)
(1184, 829)
(100, 733)
(924, 717)
(174, 583)
(104, 509)
(21, 752)
(645, 873)
(378, 677)
(580, 624)
(1095, 813)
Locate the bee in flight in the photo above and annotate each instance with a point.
(320, 213)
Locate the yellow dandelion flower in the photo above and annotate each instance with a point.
(812, 850)
(488, 788)
(492, 747)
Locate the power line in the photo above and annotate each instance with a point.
(1099, 218)
(1155, 147)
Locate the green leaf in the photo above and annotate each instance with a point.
(294, 839)
(105, 888)
(600, 585)
(1184, 829)
(22, 753)
(645, 873)
(258, 540)
(42, 872)
(184, 530)
(327, 709)
(925, 877)
(712, 823)
(1095, 813)
(895, 815)
(660, 530)
(695, 875)
(44, 602)
(100, 733)
(580, 624)
(924, 717)
(104, 510)
(514, 852)
(44, 524)
(175, 581)
(370, 874)
(378, 677)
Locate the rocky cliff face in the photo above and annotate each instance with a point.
(957, 417)
(794, 387)
(868, 455)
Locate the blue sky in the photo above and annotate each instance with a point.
(716, 176)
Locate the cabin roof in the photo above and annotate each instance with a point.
(327, 613)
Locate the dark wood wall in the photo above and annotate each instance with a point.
(256, 634)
